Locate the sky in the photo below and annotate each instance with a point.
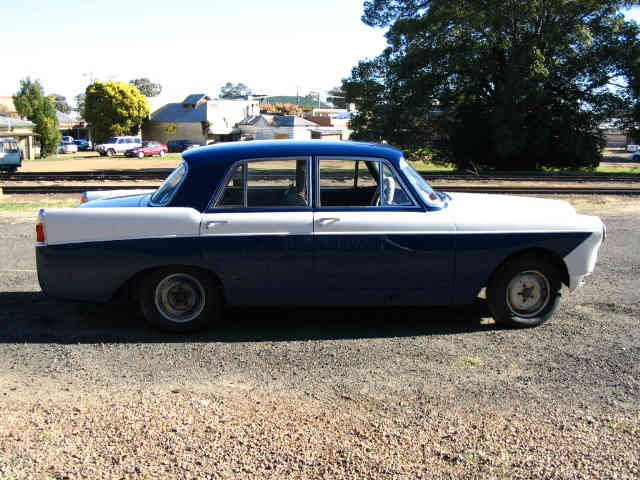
(188, 46)
(277, 47)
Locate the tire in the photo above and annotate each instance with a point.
(179, 299)
(140, 154)
(111, 152)
(162, 153)
(527, 276)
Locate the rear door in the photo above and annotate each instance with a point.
(374, 244)
(257, 233)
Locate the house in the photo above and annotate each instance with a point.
(199, 119)
(268, 127)
(22, 131)
(71, 124)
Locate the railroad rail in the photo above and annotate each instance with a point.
(68, 189)
(161, 174)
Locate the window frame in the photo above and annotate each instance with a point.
(381, 161)
(212, 206)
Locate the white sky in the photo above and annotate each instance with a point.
(188, 46)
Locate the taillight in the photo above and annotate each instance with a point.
(83, 197)
(39, 233)
(40, 227)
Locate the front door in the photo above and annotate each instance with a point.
(373, 243)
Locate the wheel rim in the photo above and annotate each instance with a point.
(180, 298)
(162, 153)
(141, 155)
(528, 293)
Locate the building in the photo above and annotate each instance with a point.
(71, 124)
(269, 127)
(22, 131)
(199, 119)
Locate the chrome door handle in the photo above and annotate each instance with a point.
(327, 220)
(212, 223)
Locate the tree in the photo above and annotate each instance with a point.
(60, 103)
(147, 87)
(336, 97)
(502, 84)
(80, 101)
(114, 108)
(282, 109)
(238, 90)
(31, 103)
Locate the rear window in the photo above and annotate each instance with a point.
(170, 186)
(9, 147)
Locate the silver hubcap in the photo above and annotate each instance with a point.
(180, 298)
(528, 293)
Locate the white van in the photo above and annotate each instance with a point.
(118, 145)
(10, 154)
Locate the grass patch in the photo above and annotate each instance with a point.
(471, 361)
(35, 206)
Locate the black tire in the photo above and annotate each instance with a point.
(179, 299)
(524, 291)
(111, 152)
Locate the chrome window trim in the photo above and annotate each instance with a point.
(175, 190)
(318, 205)
(212, 207)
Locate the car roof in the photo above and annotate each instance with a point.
(233, 151)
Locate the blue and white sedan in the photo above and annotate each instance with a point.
(312, 223)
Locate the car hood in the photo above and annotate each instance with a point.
(489, 212)
(141, 200)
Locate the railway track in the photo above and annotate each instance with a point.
(161, 174)
(69, 189)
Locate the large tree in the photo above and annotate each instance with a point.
(33, 104)
(504, 84)
(147, 87)
(60, 103)
(114, 108)
(237, 90)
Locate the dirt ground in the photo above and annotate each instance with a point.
(89, 391)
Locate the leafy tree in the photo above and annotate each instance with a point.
(60, 103)
(336, 97)
(31, 103)
(237, 90)
(147, 87)
(282, 109)
(80, 101)
(114, 108)
(502, 84)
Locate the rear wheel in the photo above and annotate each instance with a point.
(524, 292)
(162, 153)
(179, 299)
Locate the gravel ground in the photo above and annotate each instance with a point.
(89, 391)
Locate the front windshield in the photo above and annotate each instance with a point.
(426, 191)
(165, 192)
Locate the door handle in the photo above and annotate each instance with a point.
(212, 223)
(327, 220)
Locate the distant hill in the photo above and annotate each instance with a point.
(302, 101)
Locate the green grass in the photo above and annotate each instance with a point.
(471, 361)
(35, 206)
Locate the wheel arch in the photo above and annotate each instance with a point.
(548, 255)
(130, 288)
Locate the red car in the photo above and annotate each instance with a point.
(148, 149)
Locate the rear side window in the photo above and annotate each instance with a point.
(169, 187)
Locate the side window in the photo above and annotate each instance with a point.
(269, 184)
(233, 193)
(392, 191)
(348, 183)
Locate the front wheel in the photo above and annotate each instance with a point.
(162, 153)
(111, 152)
(179, 299)
(524, 292)
(140, 154)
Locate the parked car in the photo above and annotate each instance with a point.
(67, 139)
(83, 144)
(181, 145)
(219, 231)
(635, 156)
(67, 147)
(10, 155)
(632, 147)
(148, 149)
(118, 145)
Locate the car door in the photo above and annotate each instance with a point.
(257, 233)
(374, 243)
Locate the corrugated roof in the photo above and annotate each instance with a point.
(6, 121)
(195, 98)
(176, 113)
(292, 121)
